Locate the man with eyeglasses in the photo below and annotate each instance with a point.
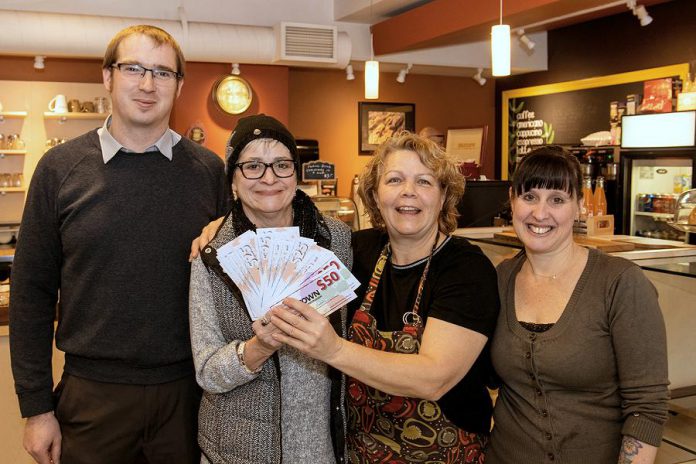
(108, 222)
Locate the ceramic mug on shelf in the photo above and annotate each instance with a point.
(58, 104)
(88, 107)
(17, 179)
(74, 106)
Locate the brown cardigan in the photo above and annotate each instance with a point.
(569, 394)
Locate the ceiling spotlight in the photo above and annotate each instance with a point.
(235, 69)
(401, 78)
(39, 62)
(526, 41)
(640, 12)
(349, 73)
(478, 77)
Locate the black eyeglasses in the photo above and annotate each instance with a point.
(257, 169)
(133, 71)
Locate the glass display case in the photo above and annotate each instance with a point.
(339, 207)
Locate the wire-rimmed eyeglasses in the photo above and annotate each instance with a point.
(257, 169)
(133, 70)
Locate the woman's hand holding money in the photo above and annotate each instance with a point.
(261, 346)
(302, 327)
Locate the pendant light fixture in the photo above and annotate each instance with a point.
(371, 70)
(500, 47)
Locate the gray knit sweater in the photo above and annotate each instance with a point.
(283, 414)
(569, 394)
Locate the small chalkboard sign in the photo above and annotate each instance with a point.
(318, 170)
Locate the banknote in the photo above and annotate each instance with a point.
(328, 289)
(270, 264)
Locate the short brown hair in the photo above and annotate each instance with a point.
(159, 36)
(434, 158)
(549, 167)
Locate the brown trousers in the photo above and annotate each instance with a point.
(106, 423)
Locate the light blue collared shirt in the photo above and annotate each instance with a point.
(110, 146)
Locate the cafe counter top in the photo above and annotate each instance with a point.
(658, 255)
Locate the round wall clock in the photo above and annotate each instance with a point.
(232, 94)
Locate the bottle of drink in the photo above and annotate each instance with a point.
(588, 204)
(600, 199)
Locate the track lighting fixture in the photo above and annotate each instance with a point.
(478, 77)
(528, 43)
(639, 12)
(39, 62)
(235, 69)
(401, 78)
(349, 73)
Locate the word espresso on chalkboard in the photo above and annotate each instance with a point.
(318, 170)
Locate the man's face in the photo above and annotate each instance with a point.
(142, 102)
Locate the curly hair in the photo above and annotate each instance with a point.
(434, 158)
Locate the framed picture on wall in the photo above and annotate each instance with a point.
(467, 143)
(379, 121)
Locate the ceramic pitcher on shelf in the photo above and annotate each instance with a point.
(58, 104)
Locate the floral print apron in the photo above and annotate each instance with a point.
(385, 428)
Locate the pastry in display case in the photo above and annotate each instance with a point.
(685, 212)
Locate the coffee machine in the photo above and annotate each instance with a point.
(603, 161)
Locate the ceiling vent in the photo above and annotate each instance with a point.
(305, 42)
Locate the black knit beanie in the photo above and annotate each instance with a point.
(255, 127)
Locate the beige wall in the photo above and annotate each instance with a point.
(33, 97)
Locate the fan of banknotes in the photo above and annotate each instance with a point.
(272, 264)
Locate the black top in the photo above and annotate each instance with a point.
(114, 239)
(461, 288)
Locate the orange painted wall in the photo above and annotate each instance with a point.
(195, 105)
(314, 103)
(324, 106)
(21, 68)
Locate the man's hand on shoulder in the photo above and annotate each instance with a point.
(42, 438)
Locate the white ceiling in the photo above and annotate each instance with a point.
(350, 16)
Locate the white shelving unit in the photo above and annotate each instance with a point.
(12, 115)
(74, 116)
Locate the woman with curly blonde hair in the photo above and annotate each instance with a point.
(415, 353)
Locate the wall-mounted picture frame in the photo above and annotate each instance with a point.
(379, 121)
(467, 143)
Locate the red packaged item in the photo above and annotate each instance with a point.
(657, 96)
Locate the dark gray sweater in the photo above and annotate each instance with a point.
(114, 240)
(570, 394)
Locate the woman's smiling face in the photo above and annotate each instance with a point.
(543, 218)
(409, 196)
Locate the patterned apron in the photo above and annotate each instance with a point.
(385, 428)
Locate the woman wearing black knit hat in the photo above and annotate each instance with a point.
(263, 402)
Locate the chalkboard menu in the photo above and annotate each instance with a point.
(318, 170)
(564, 113)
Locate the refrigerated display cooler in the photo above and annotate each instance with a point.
(658, 160)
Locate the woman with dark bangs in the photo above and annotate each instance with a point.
(580, 343)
